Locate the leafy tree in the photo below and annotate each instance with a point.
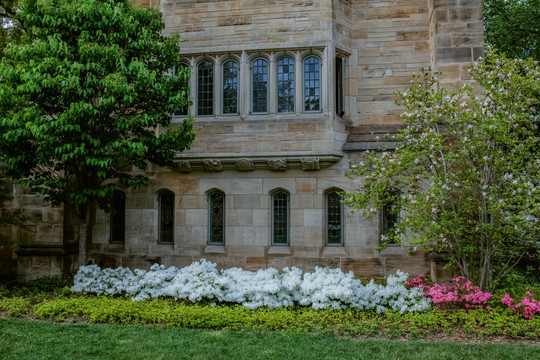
(466, 169)
(11, 29)
(86, 98)
(513, 26)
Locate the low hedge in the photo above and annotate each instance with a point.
(476, 323)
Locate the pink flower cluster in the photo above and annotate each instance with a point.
(459, 294)
(527, 307)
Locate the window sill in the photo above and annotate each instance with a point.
(115, 247)
(214, 249)
(279, 250)
(334, 251)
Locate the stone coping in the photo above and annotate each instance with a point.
(45, 249)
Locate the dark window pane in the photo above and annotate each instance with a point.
(230, 87)
(259, 96)
(334, 219)
(216, 208)
(285, 85)
(280, 218)
(166, 217)
(312, 98)
(205, 88)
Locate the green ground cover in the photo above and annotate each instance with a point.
(26, 339)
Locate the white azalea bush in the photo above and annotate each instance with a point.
(322, 289)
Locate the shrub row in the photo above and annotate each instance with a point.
(322, 289)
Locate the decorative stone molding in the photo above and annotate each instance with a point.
(277, 164)
(212, 165)
(183, 166)
(310, 163)
(256, 161)
(244, 165)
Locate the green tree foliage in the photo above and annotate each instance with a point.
(513, 27)
(87, 96)
(466, 169)
(11, 30)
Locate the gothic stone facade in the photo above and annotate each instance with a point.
(286, 93)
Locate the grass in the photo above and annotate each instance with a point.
(26, 339)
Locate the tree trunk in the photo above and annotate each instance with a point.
(84, 223)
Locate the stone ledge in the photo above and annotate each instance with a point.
(47, 250)
(229, 161)
(334, 251)
(214, 249)
(369, 145)
(279, 250)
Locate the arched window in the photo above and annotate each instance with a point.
(285, 85)
(205, 88)
(334, 218)
(312, 84)
(280, 218)
(259, 86)
(230, 87)
(216, 217)
(118, 217)
(166, 217)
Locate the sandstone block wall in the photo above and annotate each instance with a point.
(247, 155)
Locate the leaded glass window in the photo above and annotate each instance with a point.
(285, 85)
(259, 92)
(205, 88)
(216, 215)
(230, 87)
(334, 219)
(166, 217)
(340, 86)
(280, 218)
(312, 84)
(118, 217)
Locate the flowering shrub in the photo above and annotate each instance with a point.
(324, 288)
(527, 307)
(459, 294)
(465, 169)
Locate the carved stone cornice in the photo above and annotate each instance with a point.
(212, 165)
(308, 161)
(244, 165)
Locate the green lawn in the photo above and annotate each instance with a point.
(26, 339)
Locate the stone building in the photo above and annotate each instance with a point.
(285, 94)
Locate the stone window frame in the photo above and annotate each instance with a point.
(273, 193)
(210, 193)
(118, 218)
(327, 193)
(161, 194)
